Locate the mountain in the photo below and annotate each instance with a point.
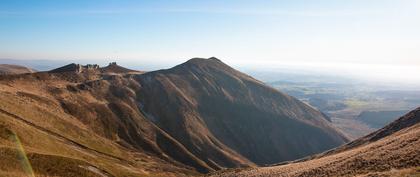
(378, 119)
(39, 65)
(235, 118)
(199, 116)
(14, 69)
(114, 68)
(390, 151)
(70, 123)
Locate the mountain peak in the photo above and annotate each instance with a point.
(201, 63)
(73, 67)
(198, 60)
(214, 58)
(113, 67)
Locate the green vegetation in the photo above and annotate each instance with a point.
(343, 101)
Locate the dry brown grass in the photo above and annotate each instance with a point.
(58, 143)
(198, 116)
(395, 155)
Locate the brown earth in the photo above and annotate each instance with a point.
(391, 151)
(229, 119)
(199, 116)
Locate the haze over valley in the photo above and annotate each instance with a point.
(120, 88)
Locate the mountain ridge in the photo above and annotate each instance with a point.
(199, 116)
(390, 151)
(197, 86)
(6, 69)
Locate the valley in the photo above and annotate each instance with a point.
(290, 88)
(355, 107)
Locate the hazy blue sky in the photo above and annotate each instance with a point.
(328, 33)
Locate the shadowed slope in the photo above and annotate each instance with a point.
(390, 151)
(92, 121)
(200, 116)
(403, 122)
(230, 119)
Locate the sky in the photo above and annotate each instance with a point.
(379, 38)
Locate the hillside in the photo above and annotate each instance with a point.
(236, 119)
(114, 68)
(14, 69)
(390, 151)
(67, 130)
(378, 119)
(199, 116)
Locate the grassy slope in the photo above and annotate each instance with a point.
(59, 144)
(97, 118)
(392, 155)
(228, 118)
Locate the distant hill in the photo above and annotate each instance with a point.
(197, 117)
(114, 68)
(39, 65)
(390, 151)
(378, 119)
(14, 69)
(111, 68)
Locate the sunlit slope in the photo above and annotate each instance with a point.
(35, 108)
(228, 119)
(391, 151)
(197, 117)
